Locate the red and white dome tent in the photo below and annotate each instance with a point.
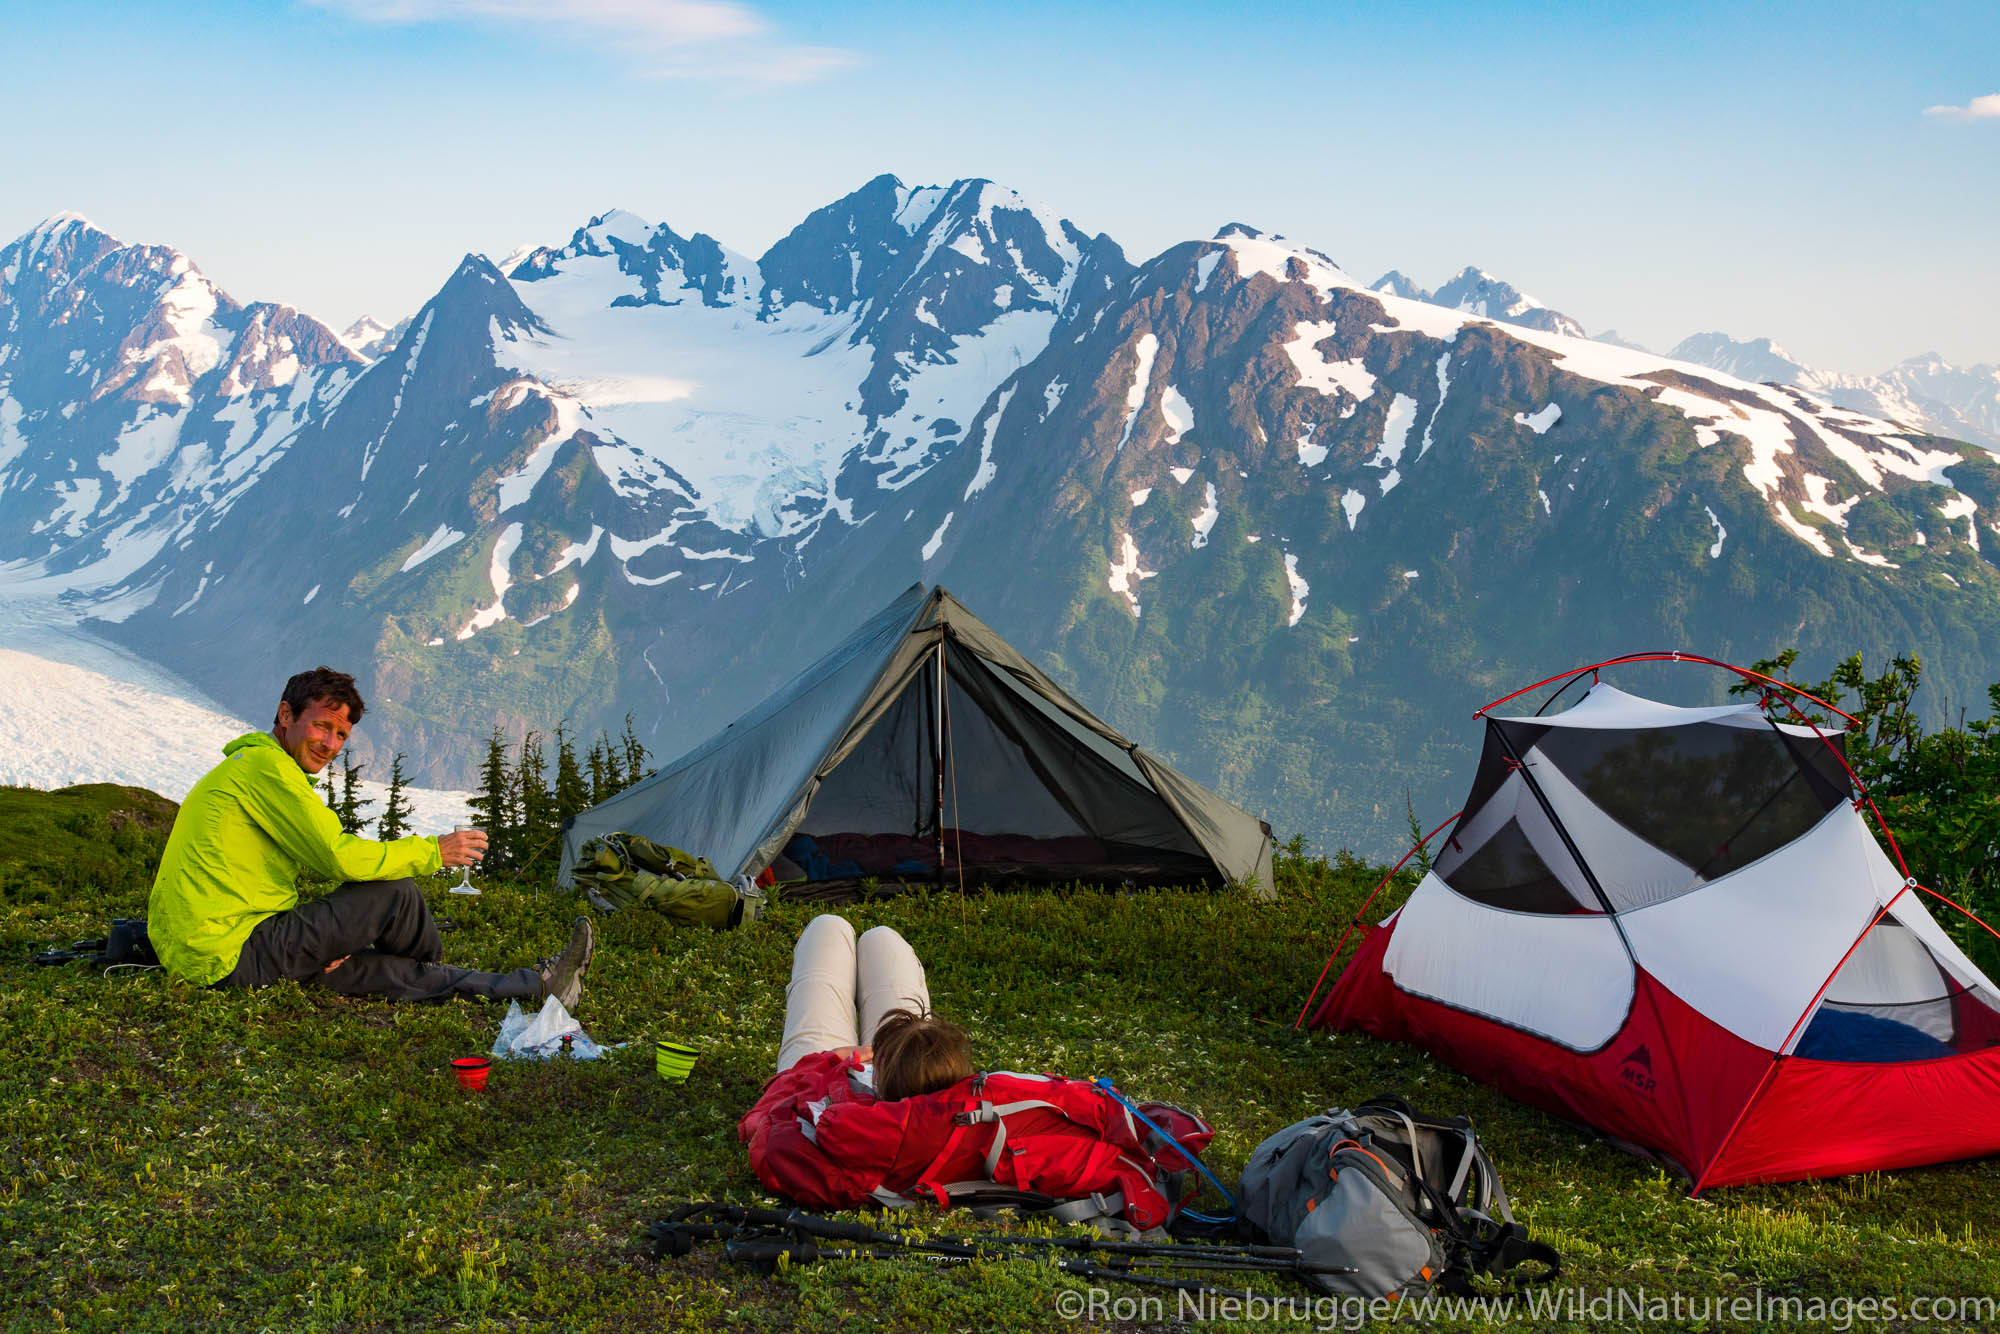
(1674, 925)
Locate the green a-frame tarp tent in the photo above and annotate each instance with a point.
(925, 748)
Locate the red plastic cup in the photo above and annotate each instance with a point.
(472, 1071)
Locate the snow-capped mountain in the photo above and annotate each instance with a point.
(370, 338)
(1281, 524)
(136, 399)
(1479, 292)
(1926, 392)
(1613, 337)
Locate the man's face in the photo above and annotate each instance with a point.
(314, 736)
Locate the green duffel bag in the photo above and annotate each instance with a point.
(623, 871)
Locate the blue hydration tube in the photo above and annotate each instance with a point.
(1199, 1166)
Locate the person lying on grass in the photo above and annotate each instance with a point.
(868, 1001)
(876, 1101)
(225, 907)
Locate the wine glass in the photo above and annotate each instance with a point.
(464, 885)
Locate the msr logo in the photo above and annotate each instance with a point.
(1636, 1071)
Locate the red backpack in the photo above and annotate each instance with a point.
(1035, 1142)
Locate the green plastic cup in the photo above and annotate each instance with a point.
(674, 1061)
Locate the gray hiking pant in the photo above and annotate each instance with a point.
(384, 928)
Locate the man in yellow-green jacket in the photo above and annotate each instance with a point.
(225, 908)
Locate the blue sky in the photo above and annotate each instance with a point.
(1766, 170)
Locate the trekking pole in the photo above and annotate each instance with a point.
(862, 1234)
(1105, 1084)
(766, 1254)
(762, 1233)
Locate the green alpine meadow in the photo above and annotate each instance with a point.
(1311, 667)
(287, 1159)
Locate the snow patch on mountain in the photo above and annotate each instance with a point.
(1715, 550)
(201, 586)
(987, 471)
(1444, 387)
(1135, 394)
(937, 539)
(1406, 316)
(577, 553)
(416, 350)
(1299, 588)
(500, 573)
(1318, 373)
(1126, 573)
(1179, 414)
(1204, 268)
(1963, 507)
(1395, 436)
(1052, 393)
(515, 487)
(1540, 421)
(1211, 510)
(444, 537)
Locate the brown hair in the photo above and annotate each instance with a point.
(323, 683)
(918, 1053)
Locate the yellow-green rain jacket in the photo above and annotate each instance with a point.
(241, 838)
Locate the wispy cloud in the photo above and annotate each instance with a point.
(1979, 108)
(712, 39)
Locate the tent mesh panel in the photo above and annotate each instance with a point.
(1505, 853)
(1653, 812)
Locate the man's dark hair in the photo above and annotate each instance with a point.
(323, 683)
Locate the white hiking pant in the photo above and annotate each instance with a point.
(841, 988)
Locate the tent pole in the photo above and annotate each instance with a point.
(937, 761)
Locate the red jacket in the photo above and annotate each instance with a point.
(815, 1138)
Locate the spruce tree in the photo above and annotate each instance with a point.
(570, 794)
(395, 821)
(635, 754)
(535, 806)
(603, 769)
(326, 790)
(493, 804)
(352, 803)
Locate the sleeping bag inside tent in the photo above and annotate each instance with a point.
(1675, 926)
(925, 750)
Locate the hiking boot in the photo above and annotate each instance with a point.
(562, 974)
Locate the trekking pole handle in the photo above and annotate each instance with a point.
(832, 1229)
(767, 1254)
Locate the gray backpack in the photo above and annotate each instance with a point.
(1398, 1200)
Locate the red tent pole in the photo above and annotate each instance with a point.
(1779, 1055)
(1744, 672)
(1356, 920)
(1944, 898)
(1882, 824)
